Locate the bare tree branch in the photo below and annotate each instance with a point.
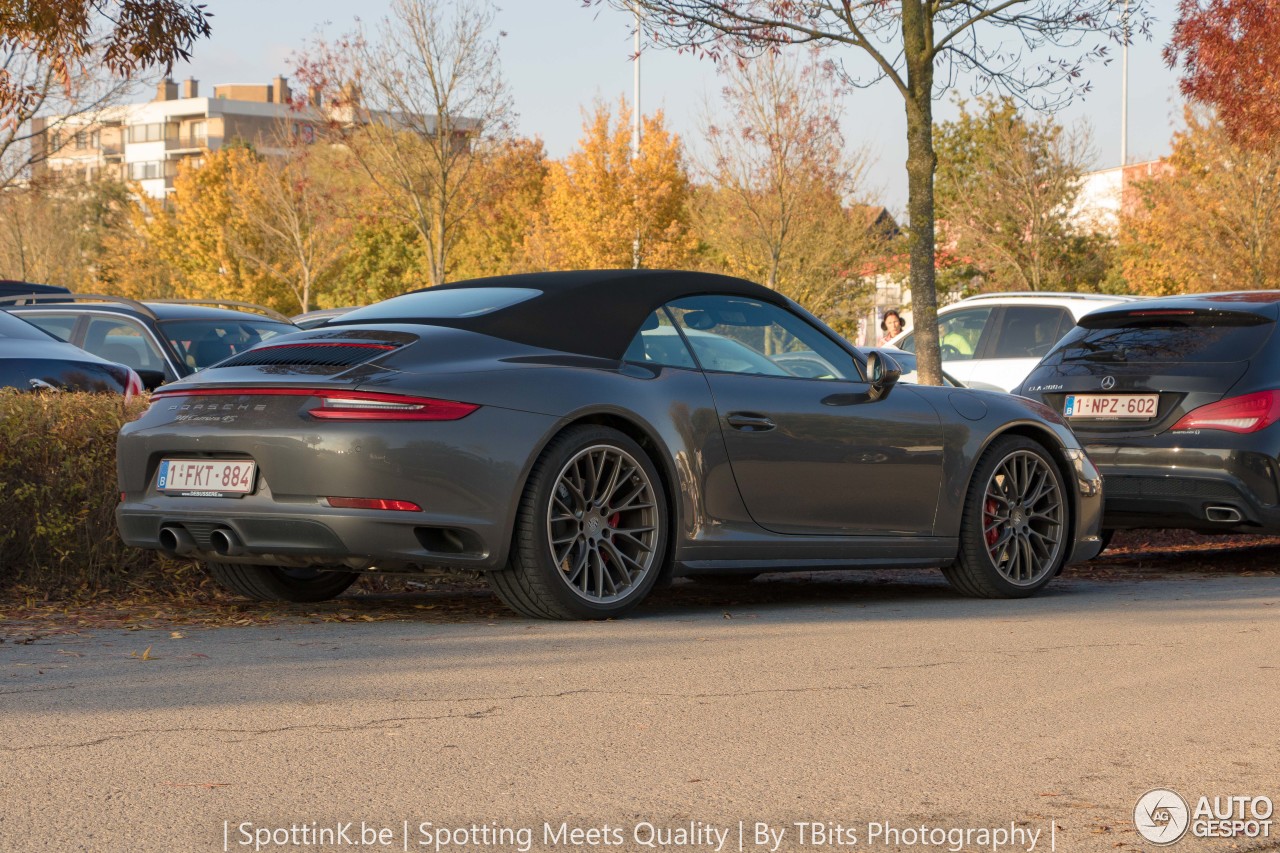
(924, 47)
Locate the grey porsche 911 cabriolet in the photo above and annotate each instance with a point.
(582, 436)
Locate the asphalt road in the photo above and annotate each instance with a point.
(858, 703)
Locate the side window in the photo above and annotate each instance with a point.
(1029, 331)
(123, 342)
(960, 331)
(731, 334)
(59, 325)
(659, 343)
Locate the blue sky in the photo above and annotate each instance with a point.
(559, 57)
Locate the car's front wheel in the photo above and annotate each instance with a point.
(1013, 536)
(276, 583)
(591, 531)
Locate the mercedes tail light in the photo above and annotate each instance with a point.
(1246, 413)
(347, 405)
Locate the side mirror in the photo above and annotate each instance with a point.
(883, 372)
(151, 379)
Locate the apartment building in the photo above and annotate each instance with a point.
(145, 143)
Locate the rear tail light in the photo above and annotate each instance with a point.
(347, 405)
(1247, 413)
(373, 503)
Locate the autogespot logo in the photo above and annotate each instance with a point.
(1161, 816)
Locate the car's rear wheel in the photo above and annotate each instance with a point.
(591, 533)
(276, 583)
(1013, 536)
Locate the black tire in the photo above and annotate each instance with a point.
(274, 583)
(533, 583)
(976, 571)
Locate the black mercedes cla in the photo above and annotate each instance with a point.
(1176, 400)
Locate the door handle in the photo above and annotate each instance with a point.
(749, 422)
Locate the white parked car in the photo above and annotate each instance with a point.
(992, 341)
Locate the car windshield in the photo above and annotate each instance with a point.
(453, 304)
(201, 343)
(12, 327)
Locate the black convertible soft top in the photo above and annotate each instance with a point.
(588, 312)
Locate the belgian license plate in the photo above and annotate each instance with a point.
(1130, 406)
(206, 478)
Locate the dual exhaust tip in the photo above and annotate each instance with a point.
(177, 542)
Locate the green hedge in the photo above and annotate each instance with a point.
(58, 486)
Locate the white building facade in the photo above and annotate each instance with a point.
(144, 143)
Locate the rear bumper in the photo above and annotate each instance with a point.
(1172, 482)
(466, 475)
(372, 540)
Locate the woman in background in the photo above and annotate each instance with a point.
(891, 325)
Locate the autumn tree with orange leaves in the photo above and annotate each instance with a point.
(295, 234)
(510, 183)
(205, 240)
(1210, 222)
(1229, 51)
(412, 99)
(779, 203)
(67, 37)
(600, 199)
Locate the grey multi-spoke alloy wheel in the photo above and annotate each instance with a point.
(1014, 537)
(591, 535)
(276, 583)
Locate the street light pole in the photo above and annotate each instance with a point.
(1124, 90)
(635, 130)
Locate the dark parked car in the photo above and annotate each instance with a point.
(580, 437)
(1176, 399)
(311, 319)
(9, 287)
(32, 360)
(162, 340)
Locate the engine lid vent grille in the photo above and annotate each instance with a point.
(310, 355)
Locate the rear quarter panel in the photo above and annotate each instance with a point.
(671, 407)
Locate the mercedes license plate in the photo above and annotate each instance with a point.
(1128, 406)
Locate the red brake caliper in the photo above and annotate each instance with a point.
(988, 521)
(612, 522)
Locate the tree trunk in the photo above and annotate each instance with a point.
(438, 271)
(922, 163)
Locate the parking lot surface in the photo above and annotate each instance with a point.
(847, 700)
